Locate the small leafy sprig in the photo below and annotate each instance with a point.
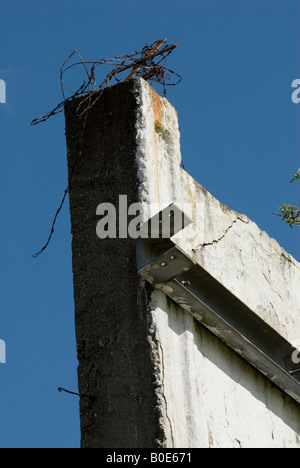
(295, 176)
(290, 213)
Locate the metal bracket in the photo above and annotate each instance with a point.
(168, 268)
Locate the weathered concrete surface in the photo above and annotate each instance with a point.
(111, 327)
(160, 378)
(227, 244)
(214, 398)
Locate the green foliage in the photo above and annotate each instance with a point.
(290, 213)
(295, 176)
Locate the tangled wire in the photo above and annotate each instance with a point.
(142, 64)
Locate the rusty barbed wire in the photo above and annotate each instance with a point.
(82, 395)
(143, 65)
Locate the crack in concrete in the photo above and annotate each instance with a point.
(215, 241)
(269, 283)
(163, 389)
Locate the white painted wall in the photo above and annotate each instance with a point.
(212, 397)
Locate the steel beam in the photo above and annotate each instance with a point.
(190, 286)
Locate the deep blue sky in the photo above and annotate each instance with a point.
(240, 140)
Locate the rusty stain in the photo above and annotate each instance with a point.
(157, 109)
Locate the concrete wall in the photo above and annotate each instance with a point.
(160, 377)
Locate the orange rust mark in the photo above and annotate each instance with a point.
(157, 107)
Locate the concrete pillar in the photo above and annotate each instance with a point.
(161, 378)
(112, 322)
